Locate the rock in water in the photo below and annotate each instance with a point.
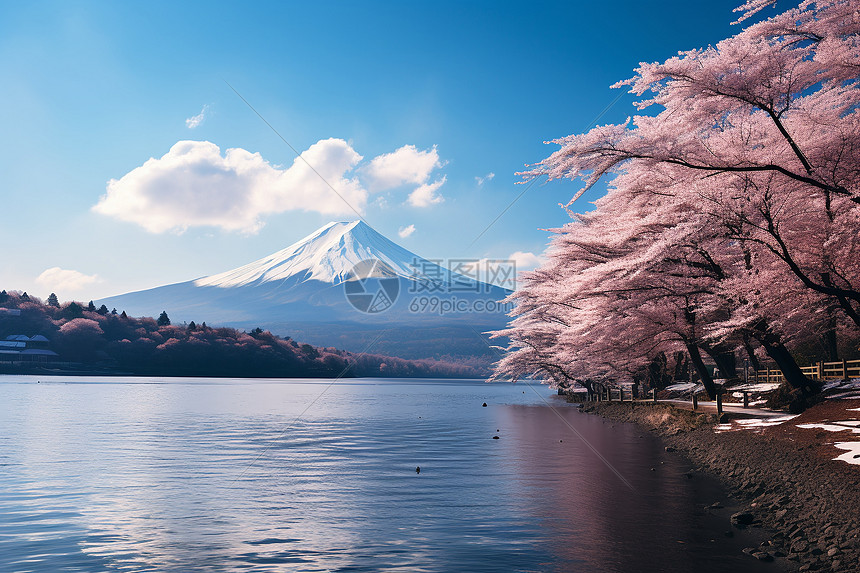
(742, 518)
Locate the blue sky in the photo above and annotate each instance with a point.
(406, 107)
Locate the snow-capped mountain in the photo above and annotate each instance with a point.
(344, 285)
(328, 255)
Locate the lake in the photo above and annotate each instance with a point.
(136, 474)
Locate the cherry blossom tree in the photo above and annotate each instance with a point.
(732, 215)
(625, 283)
(770, 115)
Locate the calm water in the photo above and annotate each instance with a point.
(124, 474)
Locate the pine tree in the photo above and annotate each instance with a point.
(74, 310)
(91, 307)
(103, 310)
(53, 301)
(163, 319)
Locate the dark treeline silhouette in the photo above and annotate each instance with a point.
(106, 340)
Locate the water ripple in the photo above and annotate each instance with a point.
(114, 475)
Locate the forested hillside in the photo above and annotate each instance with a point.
(90, 338)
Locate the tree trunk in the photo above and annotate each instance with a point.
(702, 370)
(792, 372)
(725, 361)
(828, 338)
(751, 353)
(681, 366)
(784, 360)
(656, 371)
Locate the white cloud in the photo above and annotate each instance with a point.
(502, 272)
(426, 194)
(65, 280)
(405, 166)
(526, 261)
(404, 232)
(196, 120)
(193, 184)
(481, 180)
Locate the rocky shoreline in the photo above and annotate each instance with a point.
(811, 505)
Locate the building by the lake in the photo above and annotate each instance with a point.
(20, 348)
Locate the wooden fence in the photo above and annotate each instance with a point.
(842, 370)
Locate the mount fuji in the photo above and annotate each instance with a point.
(344, 285)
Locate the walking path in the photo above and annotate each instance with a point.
(728, 408)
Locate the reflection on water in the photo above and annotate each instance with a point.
(192, 475)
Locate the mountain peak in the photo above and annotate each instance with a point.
(311, 292)
(328, 255)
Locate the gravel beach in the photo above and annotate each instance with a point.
(786, 477)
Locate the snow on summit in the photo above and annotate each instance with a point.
(304, 291)
(327, 255)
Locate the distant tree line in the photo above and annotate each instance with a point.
(99, 338)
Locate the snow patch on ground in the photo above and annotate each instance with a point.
(740, 395)
(849, 389)
(833, 427)
(683, 387)
(751, 423)
(852, 384)
(845, 395)
(761, 387)
(852, 455)
(763, 423)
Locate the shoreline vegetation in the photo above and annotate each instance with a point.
(785, 477)
(80, 339)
